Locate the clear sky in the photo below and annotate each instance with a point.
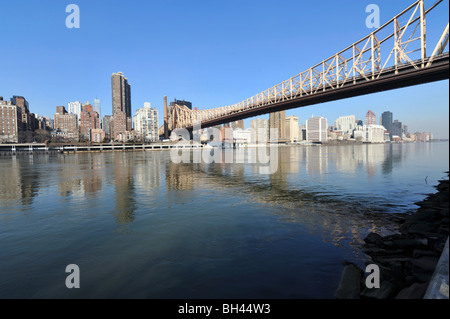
(212, 53)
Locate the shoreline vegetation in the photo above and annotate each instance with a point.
(408, 259)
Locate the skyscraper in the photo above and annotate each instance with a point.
(397, 129)
(277, 120)
(371, 118)
(121, 104)
(292, 128)
(97, 107)
(146, 123)
(386, 121)
(316, 129)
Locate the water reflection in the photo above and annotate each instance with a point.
(312, 185)
(124, 188)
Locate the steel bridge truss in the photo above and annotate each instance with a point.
(398, 44)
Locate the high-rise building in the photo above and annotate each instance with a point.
(292, 128)
(121, 104)
(277, 121)
(260, 130)
(75, 108)
(89, 120)
(22, 103)
(10, 121)
(345, 124)
(66, 123)
(97, 107)
(302, 132)
(106, 127)
(316, 129)
(371, 118)
(371, 133)
(146, 123)
(397, 129)
(236, 124)
(386, 121)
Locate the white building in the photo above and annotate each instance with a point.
(345, 124)
(242, 138)
(75, 108)
(292, 128)
(316, 129)
(146, 123)
(371, 133)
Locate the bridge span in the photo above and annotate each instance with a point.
(391, 57)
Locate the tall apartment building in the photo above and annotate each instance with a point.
(121, 104)
(302, 132)
(106, 127)
(345, 124)
(22, 103)
(277, 121)
(67, 123)
(146, 123)
(10, 121)
(292, 128)
(316, 129)
(89, 120)
(397, 129)
(260, 130)
(75, 108)
(239, 124)
(371, 118)
(386, 121)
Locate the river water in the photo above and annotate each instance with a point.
(139, 225)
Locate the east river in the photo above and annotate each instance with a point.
(139, 225)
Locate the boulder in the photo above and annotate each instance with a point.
(350, 286)
(415, 291)
(385, 291)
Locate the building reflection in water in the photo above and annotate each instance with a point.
(338, 220)
(124, 187)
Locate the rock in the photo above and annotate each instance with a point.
(424, 264)
(373, 238)
(415, 291)
(419, 253)
(385, 291)
(350, 286)
(409, 243)
(422, 228)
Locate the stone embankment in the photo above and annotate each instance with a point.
(406, 260)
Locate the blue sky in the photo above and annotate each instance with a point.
(212, 53)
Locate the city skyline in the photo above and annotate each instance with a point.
(209, 73)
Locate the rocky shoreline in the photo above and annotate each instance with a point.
(406, 260)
